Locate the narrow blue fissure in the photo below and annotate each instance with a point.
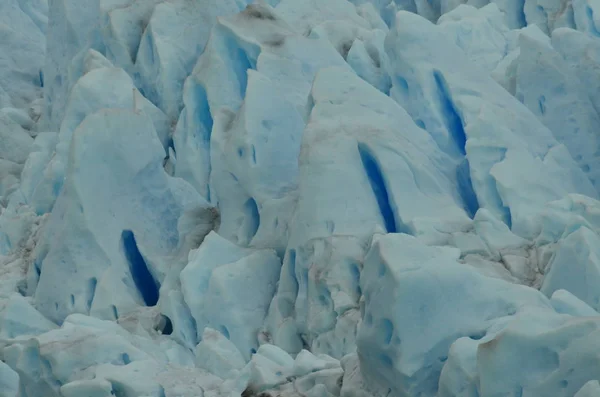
(171, 145)
(465, 188)
(203, 118)
(508, 216)
(240, 61)
(506, 213)
(522, 18)
(91, 292)
(252, 218)
(202, 112)
(292, 268)
(589, 13)
(243, 65)
(454, 124)
(378, 186)
(145, 283)
(452, 119)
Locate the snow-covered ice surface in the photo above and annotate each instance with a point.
(299, 198)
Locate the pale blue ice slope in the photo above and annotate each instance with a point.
(299, 198)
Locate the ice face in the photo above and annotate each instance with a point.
(337, 198)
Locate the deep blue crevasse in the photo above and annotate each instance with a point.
(454, 124)
(145, 283)
(378, 186)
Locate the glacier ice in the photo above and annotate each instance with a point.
(115, 241)
(318, 198)
(408, 287)
(23, 51)
(589, 389)
(9, 381)
(230, 291)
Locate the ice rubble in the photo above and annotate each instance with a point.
(299, 198)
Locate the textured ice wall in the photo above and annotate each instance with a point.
(299, 198)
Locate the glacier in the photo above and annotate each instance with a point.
(299, 198)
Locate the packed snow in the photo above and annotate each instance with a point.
(299, 198)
